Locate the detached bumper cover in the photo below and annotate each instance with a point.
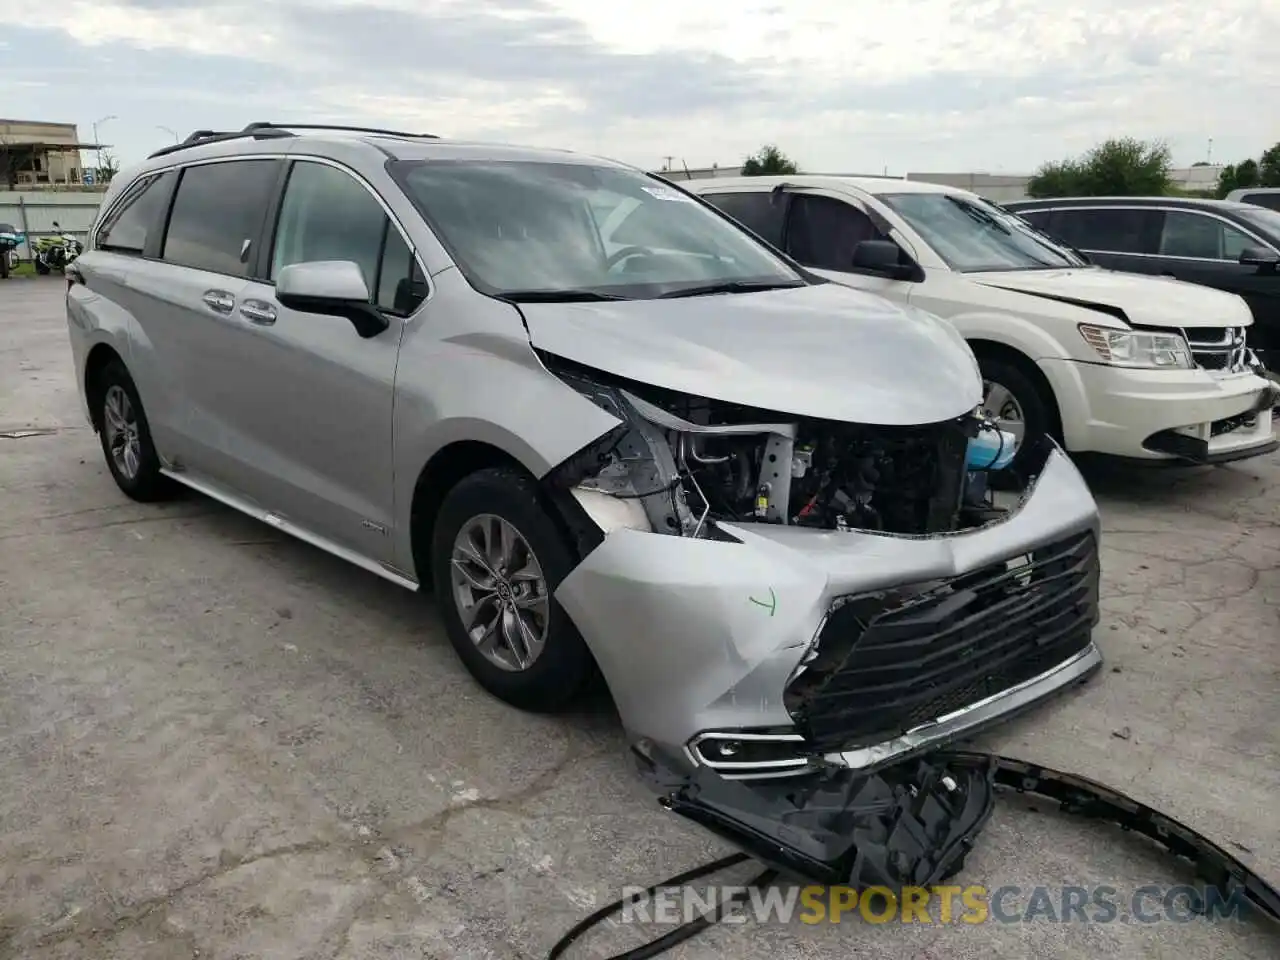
(912, 824)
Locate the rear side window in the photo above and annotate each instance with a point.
(218, 213)
(1269, 200)
(761, 212)
(326, 214)
(1108, 230)
(129, 226)
(823, 232)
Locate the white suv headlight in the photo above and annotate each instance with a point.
(1132, 348)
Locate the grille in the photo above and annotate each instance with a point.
(890, 661)
(1223, 349)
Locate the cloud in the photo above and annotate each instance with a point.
(860, 85)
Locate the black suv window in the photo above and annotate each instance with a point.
(326, 214)
(759, 211)
(1269, 200)
(218, 213)
(1189, 234)
(1107, 230)
(129, 225)
(823, 231)
(1037, 218)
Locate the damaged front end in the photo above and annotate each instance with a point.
(789, 610)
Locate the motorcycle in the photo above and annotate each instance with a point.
(56, 252)
(9, 240)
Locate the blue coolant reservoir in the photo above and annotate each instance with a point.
(991, 450)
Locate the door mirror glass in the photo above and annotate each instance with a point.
(1259, 256)
(333, 288)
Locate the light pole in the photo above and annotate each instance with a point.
(98, 146)
(170, 132)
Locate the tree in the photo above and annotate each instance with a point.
(108, 167)
(1269, 167)
(1123, 167)
(769, 161)
(1237, 176)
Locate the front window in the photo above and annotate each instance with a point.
(572, 230)
(972, 235)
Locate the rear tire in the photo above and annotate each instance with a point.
(531, 654)
(126, 437)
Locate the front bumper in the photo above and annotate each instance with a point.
(704, 640)
(1191, 415)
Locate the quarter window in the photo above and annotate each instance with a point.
(128, 227)
(326, 214)
(1107, 230)
(759, 211)
(218, 213)
(1187, 234)
(823, 232)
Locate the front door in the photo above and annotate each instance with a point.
(822, 232)
(316, 398)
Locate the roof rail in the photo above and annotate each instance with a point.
(263, 130)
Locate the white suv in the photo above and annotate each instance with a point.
(1113, 363)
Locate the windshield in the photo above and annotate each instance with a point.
(973, 235)
(577, 231)
(1265, 220)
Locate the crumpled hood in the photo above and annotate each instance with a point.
(822, 351)
(1145, 299)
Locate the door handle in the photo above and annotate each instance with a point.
(258, 311)
(219, 301)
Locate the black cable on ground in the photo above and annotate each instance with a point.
(681, 933)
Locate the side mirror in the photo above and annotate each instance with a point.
(56, 225)
(333, 288)
(1259, 257)
(884, 257)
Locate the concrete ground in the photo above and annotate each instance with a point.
(218, 743)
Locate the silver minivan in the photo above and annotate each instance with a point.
(615, 433)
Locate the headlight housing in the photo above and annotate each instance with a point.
(1136, 348)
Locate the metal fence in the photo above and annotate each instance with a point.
(33, 212)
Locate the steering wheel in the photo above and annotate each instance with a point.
(619, 255)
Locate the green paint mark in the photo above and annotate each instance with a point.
(771, 606)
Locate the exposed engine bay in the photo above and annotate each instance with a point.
(689, 461)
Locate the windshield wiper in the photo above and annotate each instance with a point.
(556, 296)
(731, 286)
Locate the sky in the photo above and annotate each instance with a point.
(841, 86)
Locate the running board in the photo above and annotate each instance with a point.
(284, 526)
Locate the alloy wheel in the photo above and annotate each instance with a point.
(500, 592)
(120, 423)
(1001, 405)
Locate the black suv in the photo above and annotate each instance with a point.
(1230, 246)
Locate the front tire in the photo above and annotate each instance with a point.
(126, 437)
(497, 557)
(42, 268)
(1017, 403)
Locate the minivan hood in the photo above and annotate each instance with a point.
(1144, 299)
(822, 351)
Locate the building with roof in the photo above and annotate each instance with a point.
(42, 155)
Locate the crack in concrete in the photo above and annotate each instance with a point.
(86, 932)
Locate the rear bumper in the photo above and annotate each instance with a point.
(706, 642)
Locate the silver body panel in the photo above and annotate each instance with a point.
(325, 435)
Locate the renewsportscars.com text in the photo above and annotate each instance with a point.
(941, 904)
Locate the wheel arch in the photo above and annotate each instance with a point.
(996, 350)
(99, 358)
(457, 460)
